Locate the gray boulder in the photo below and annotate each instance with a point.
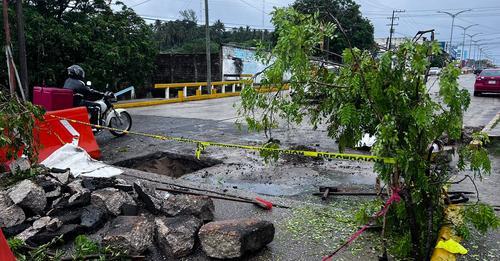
(176, 236)
(235, 238)
(131, 233)
(29, 196)
(111, 199)
(180, 205)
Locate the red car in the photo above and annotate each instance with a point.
(487, 81)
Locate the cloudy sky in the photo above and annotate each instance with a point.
(418, 15)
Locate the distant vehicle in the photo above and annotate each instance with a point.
(466, 70)
(487, 81)
(477, 71)
(434, 71)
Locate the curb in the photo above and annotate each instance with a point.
(491, 125)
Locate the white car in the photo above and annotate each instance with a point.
(434, 71)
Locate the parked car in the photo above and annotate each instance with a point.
(487, 81)
(434, 71)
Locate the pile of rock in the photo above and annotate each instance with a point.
(133, 217)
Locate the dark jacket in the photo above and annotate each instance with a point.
(81, 91)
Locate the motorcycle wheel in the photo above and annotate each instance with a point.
(126, 124)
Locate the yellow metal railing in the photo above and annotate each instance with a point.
(184, 92)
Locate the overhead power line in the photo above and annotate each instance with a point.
(141, 3)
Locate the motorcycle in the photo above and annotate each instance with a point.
(118, 119)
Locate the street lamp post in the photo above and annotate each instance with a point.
(463, 41)
(453, 15)
(470, 43)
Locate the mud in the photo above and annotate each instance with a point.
(169, 164)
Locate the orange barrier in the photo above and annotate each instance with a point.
(5, 252)
(53, 133)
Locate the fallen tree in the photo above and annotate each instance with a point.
(386, 97)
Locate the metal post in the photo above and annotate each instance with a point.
(167, 93)
(207, 37)
(21, 38)
(453, 24)
(462, 55)
(451, 34)
(12, 79)
(185, 89)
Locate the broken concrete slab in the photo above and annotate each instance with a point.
(199, 206)
(148, 196)
(176, 236)
(77, 187)
(47, 183)
(11, 216)
(111, 199)
(98, 183)
(54, 224)
(5, 200)
(41, 222)
(132, 233)
(29, 196)
(79, 199)
(61, 177)
(66, 232)
(27, 234)
(235, 238)
(93, 217)
(54, 193)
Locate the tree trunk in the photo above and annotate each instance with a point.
(21, 39)
(414, 227)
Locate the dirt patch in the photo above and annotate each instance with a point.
(168, 164)
(292, 158)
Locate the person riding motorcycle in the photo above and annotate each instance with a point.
(83, 95)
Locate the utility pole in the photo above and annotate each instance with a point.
(21, 38)
(453, 15)
(207, 36)
(462, 56)
(6, 27)
(391, 31)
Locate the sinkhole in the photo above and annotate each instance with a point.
(168, 164)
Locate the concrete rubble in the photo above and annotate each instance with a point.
(133, 217)
(235, 238)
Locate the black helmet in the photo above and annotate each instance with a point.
(77, 72)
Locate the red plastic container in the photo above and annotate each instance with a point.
(53, 98)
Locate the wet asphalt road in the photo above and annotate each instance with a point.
(213, 120)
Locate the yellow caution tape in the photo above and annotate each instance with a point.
(202, 145)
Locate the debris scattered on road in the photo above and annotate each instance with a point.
(136, 218)
(235, 238)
